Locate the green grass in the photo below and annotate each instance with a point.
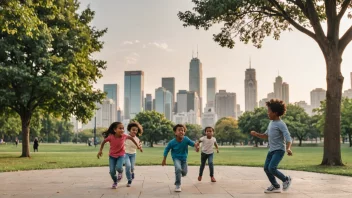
(54, 156)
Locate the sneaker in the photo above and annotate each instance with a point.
(199, 178)
(287, 183)
(272, 189)
(114, 185)
(212, 179)
(132, 175)
(178, 188)
(129, 183)
(119, 177)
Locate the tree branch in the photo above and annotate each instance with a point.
(314, 20)
(345, 40)
(344, 7)
(291, 21)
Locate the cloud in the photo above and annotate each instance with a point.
(162, 46)
(130, 42)
(132, 58)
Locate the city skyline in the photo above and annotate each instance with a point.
(161, 44)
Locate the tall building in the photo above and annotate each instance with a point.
(307, 108)
(195, 79)
(134, 93)
(169, 84)
(163, 102)
(238, 112)
(182, 101)
(347, 94)
(271, 96)
(187, 101)
(112, 92)
(251, 90)
(285, 93)
(262, 102)
(225, 104)
(148, 102)
(109, 113)
(119, 115)
(316, 96)
(278, 88)
(211, 91)
(209, 117)
(186, 118)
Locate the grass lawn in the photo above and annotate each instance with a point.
(53, 156)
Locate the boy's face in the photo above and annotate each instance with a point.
(180, 132)
(271, 114)
(209, 132)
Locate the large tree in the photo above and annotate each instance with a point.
(253, 20)
(226, 130)
(297, 121)
(46, 61)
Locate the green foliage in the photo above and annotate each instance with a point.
(46, 61)
(194, 131)
(9, 125)
(226, 130)
(155, 127)
(256, 120)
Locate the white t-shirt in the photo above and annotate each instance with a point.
(130, 147)
(207, 144)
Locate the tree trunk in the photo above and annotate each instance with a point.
(332, 129)
(25, 119)
(350, 138)
(300, 141)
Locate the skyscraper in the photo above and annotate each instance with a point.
(187, 101)
(225, 104)
(251, 89)
(278, 88)
(112, 92)
(182, 101)
(134, 93)
(169, 84)
(163, 102)
(148, 103)
(211, 91)
(316, 96)
(285, 93)
(195, 79)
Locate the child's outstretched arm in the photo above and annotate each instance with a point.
(166, 151)
(216, 146)
(100, 153)
(134, 142)
(259, 135)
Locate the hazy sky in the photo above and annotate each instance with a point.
(147, 35)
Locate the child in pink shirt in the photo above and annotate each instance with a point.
(116, 137)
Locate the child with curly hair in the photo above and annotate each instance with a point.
(277, 135)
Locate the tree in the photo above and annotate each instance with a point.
(46, 61)
(194, 131)
(346, 118)
(155, 126)
(226, 130)
(254, 121)
(253, 20)
(297, 121)
(9, 125)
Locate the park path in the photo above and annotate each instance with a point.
(157, 181)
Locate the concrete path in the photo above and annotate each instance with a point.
(157, 181)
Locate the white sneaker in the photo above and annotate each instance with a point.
(272, 189)
(178, 189)
(286, 184)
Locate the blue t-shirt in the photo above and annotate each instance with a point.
(278, 135)
(179, 150)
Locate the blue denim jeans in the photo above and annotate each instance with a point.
(203, 159)
(180, 170)
(272, 161)
(115, 164)
(130, 160)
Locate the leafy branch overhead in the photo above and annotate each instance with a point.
(253, 20)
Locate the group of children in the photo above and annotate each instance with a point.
(123, 149)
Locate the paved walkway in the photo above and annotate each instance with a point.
(157, 181)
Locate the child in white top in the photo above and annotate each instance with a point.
(208, 143)
(135, 130)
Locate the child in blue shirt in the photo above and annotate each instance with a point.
(179, 151)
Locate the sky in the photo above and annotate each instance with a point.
(147, 35)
